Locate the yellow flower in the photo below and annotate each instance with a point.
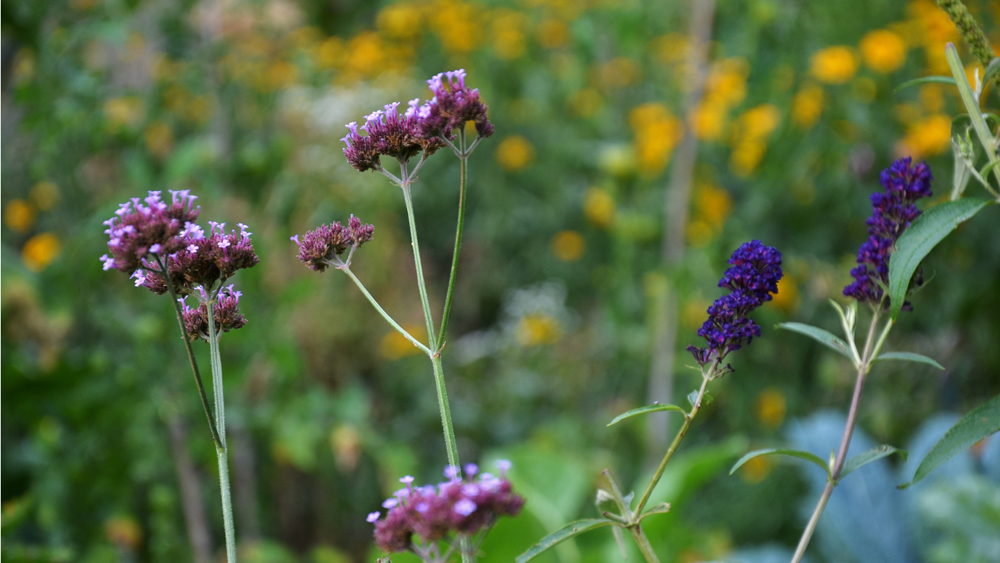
(747, 156)
(399, 21)
(515, 153)
(757, 469)
(787, 298)
(44, 195)
(750, 140)
(568, 246)
(330, 52)
(19, 215)
(599, 207)
(834, 65)
(586, 102)
(365, 54)
(508, 34)
(537, 329)
(759, 121)
(552, 33)
(708, 121)
(807, 106)
(928, 137)
(457, 25)
(770, 408)
(657, 132)
(40, 251)
(395, 346)
(712, 205)
(159, 139)
(618, 73)
(727, 81)
(123, 111)
(883, 51)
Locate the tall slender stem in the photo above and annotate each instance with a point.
(463, 159)
(190, 352)
(421, 285)
(870, 350)
(220, 449)
(381, 311)
(442, 395)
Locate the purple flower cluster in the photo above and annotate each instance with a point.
(752, 278)
(226, 313)
(894, 210)
(323, 246)
(459, 506)
(421, 128)
(204, 259)
(139, 231)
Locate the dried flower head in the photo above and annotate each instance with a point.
(323, 246)
(894, 210)
(225, 311)
(147, 228)
(451, 107)
(752, 279)
(457, 506)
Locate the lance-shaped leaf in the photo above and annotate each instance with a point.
(871, 455)
(824, 337)
(645, 410)
(572, 529)
(973, 427)
(908, 357)
(926, 80)
(782, 451)
(661, 508)
(920, 238)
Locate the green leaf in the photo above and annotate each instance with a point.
(647, 409)
(926, 80)
(991, 69)
(661, 508)
(705, 399)
(909, 357)
(920, 238)
(865, 458)
(572, 529)
(782, 451)
(973, 427)
(819, 335)
(988, 168)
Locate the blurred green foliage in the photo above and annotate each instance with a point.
(243, 102)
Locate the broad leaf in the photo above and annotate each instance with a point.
(973, 427)
(920, 238)
(645, 410)
(865, 458)
(819, 335)
(572, 529)
(926, 80)
(782, 451)
(908, 357)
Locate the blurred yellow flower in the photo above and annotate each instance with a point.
(750, 139)
(515, 153)
(395, 346)
(19, 215)
(928, 137)
(807, 106)
(400, 21)
(44, 194)
(537, 329)
(457, 25)
(770, 408)
(159, 139)
(657, 132)
(330, 52)
(727, 81)
(883, 51)
(586, 102)
(787, 298)
(834, 65)
(124, 532)
(365, 54)
(712, 205)
(123, 111)
(40, 251)
(747, 156)
(708, 120)
(568, 246)
(599, 207)
(552, 33)
(508, 34)
(671, 48)
(757, 469)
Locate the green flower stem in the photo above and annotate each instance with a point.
(870, 352)
(463, 173)
(442, 395)
(971, 32)
(643, 542)
(381, 311)
(405, 185)
(187, 346)
(221, 451)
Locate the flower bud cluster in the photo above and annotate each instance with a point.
(752, 279)
(323, 246)
(458, 506)
(225, 311)
(894, 210)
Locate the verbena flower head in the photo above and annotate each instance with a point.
(147, 228)
(389, 133)
(894, 210)
(225, 311)
(456, 507)
(323, 246)
(452, 106)
(206, 258)
(752, 278)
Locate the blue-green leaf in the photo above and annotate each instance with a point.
(909, 357)
(926, 80)
(920, 238)
(783, 451)
(572, 529)
(973, 427)
(645, 410)
(819, 335)
(868, 457)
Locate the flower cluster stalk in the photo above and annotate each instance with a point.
(221, 451)
(463, 158)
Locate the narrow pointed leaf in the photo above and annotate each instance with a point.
(920, 238)
(559, 536)
(909, 357)
(973, 427)
(782, 451)
(871, 455)
(824, 337)
(991, 69)
(661, 508)
(926, 80)
(645, 410)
